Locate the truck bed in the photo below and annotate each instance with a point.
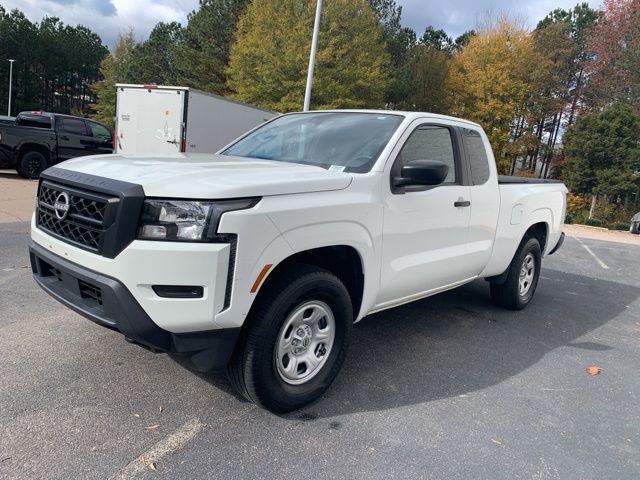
(506, 179)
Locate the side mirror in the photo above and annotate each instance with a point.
(422, 172)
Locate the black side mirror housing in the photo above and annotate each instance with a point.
(422, 173)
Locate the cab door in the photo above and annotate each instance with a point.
(485, 197)
(425, 228)
(74, 139)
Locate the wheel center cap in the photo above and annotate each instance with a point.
(301, 339)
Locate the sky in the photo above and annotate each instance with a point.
(110, 17)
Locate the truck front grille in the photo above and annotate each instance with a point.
(94, 213)
(85, 220)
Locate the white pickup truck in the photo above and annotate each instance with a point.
(258, 260)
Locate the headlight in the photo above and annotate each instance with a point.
(186, 220)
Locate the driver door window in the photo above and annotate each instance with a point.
(430, 142)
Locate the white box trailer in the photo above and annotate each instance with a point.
(155, 119)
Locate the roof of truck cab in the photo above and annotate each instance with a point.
(407, 114)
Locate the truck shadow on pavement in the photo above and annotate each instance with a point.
(459, 342)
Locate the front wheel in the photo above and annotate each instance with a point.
(295, 340)
(518, 289)
(31, 165)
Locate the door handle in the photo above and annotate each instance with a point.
(64, 137)
(461, 202)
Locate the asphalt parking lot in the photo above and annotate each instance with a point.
(449, 387)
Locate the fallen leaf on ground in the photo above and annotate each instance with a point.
(152, 466)
(160, 408)
(142, 459)
(496, 441)
(137, 415)
(152, 427)
(593, 370)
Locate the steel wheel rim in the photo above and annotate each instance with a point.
(527, 272)
(33, 165)
(304, 342)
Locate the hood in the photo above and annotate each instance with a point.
(194, 175)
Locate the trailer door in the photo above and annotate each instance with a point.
(149, 120)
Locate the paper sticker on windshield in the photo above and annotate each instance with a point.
(336, 168)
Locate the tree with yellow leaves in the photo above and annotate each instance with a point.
(490, 80)
(270, 55)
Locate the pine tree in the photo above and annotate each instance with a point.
(203, 51)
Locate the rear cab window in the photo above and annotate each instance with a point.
(476, 152)
(33, 120)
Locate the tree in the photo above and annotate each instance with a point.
(549, 96)
(424, 73)
(116, 67)
(270, 55)
(463, 40)
(490, 79)
(399, 41)
(615, 61)
(157, 59)
(437, 40)
(579, 21)
(603, 154)
(54, 63)
(203, 50)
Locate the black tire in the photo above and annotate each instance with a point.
(508, 294)
(635, 228)
(252, 368)
(31, 165)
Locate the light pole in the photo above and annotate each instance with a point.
(10, 79)
(312, 57)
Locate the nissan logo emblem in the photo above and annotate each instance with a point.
(61, 205)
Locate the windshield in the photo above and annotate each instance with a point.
(342, 140)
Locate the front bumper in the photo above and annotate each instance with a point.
(108, 302)
(146, 263)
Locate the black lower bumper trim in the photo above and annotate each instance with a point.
(107, 302)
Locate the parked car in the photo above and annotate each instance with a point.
(635, 224)
(6, 119)
(260, 258)
(160, 120)
(37, 140)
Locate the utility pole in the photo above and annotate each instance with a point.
(312, 57)
(10, 79)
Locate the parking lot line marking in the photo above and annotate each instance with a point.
(600, 262)
(167, 445)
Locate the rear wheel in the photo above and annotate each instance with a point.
(31, 165)
(295, 341)
(518, 289)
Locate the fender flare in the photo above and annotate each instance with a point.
(540, 216)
